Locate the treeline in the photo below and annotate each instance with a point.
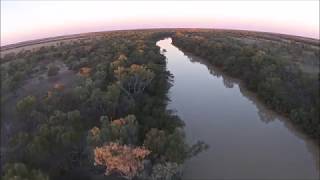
(113, 120)
(278, 81)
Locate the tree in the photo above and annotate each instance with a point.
(97, 136)
(155, 140)
(53, 70)
(166, 171)
(15, 80)
(171, 147)
(19, 171)
(122, 159)
(26, 105)
(56, 139)
(120, 61)
(125, 130)
(113, 99)
(122, 130)
(135, 79)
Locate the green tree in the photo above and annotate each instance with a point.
(171, 147)
(166, 171)
(26, 105)
(53, 70)
(155, 141)
(135, 79)
(19, 171)
(56, 139)
(122, 130)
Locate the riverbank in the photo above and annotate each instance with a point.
(276, 72)
(246, 139)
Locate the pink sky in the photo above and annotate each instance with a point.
(27, 20)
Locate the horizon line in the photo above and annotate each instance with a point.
(55, 38)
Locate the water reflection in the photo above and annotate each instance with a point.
(247, 140)
(266, 115)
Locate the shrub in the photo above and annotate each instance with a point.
(53, 70)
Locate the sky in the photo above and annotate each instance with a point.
(28, 20)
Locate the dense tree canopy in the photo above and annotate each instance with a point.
(112, 94)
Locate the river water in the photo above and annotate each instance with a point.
(247, 141)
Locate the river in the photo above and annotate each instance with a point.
(247, 141)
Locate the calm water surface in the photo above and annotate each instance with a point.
(247, 141)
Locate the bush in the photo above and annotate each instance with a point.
(18, 171)
(53, 70)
